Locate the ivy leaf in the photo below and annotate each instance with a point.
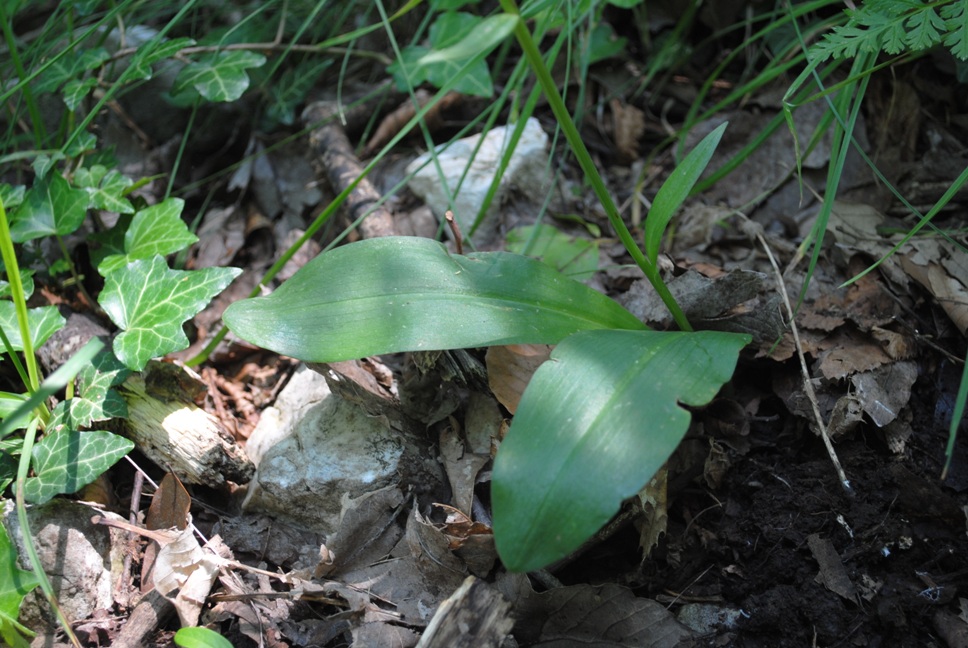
(84, 143)
(15, 584)
(96, 400)
(69, 67)
(67, 460)
(594, 425)
(26, 279)
(149, 302)
(42, 322)
(152, 52)
(12, 195)
(220, 76)
(75, 90)
(155, 230)
(105, 189)
(51, 207)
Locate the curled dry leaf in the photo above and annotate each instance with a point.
(509, 368)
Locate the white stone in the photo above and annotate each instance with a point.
(332, 449)
(527, 171)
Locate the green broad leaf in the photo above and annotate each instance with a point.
(572, 256)
(75, 90)
(105, 188)
(26, 281)
(70, 67)
(406, 68)
(51, 385)
(152, 52)
(447, 5)
(51, 207)
(484, 37)
(15, 584)
(42, 322)
(475, 79)
(149, 302)
(408, 294)
(110, 241)
(594, 425)
(449, 30)
(96, 399)
(220, 76)
(676, 188)
(604, 44)
(155, 230)
(84, 143)
(10, 403)
(67, 460)
(199, 637)
(8, 468)
(11, 195)
(451, 27)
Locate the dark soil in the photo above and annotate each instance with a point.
(900, 532)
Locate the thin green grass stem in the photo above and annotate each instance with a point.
(560, 111)
(23, 469)
(20, 305)
(956, 417)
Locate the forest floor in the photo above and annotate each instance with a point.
(756, 541)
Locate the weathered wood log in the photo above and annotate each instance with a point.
(176, 434)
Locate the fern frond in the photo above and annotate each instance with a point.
(956, 24)
(896, 26)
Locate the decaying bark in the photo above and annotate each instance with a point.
(342, 167)
(175, 433)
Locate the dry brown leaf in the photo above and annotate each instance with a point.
(629, 124)
(396, 120)
(184, 574)
(596, 615)
(509, 369)
(933, 265)
(654, 517)
(461, 466)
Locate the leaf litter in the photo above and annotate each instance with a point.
(745, 519)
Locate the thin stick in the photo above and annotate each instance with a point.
(807, 385)
(455, 230)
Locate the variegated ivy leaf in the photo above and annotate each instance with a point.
(12, 195)
(149, 302)
(75, 90)
(42, 322)
(158, 229)
(68, 67)
(105, 188)
(152, 52)
(67, 460)
(26, 281)
(96, 400)
(220, 76)
(51, 207)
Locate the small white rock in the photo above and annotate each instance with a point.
(527, 171)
